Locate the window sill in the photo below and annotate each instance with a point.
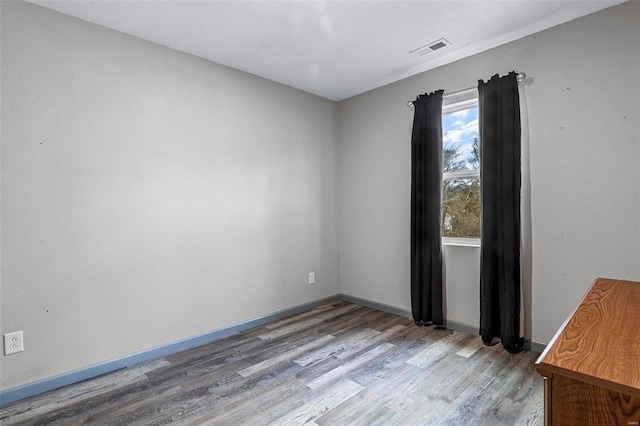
(461, 242)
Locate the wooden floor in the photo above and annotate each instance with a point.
(340, 364)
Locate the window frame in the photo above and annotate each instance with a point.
(459, 101)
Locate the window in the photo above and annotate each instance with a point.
(461, 169)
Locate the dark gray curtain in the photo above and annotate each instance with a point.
(426, 187)
(499, 115)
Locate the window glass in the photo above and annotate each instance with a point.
(461, 173)
(461, 208)
(460, 139)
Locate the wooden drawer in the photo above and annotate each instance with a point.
(592, 365)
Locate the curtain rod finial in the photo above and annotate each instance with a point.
(521, 76)
(410, 104)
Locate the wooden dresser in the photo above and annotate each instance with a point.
(591, 367)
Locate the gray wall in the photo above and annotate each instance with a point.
(149, 196)
(140, 206)
(581, 100)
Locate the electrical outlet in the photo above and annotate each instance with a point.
(312, 277)
(13, 343)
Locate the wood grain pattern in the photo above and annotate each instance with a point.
(600, 342)
(340, 364)
(584, 403)
(591, 368)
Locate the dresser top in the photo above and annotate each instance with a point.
(600, 342)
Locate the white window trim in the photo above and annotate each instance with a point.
(458, 101)
(461, 242)
(461, 174)
(453, 102)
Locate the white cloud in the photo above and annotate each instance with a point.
(460, 114)
(460, 131)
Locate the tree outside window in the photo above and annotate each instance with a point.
(461, 174)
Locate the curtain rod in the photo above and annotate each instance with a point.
(519, 78)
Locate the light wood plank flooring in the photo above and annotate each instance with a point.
(340, 364)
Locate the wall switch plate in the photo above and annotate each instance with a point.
(312, 277)
(13, 343)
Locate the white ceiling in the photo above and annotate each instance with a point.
(334, 49)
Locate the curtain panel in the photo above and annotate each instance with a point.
(499, 116)
(426, 188)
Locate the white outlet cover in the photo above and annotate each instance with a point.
(13, 343)
(312, 277)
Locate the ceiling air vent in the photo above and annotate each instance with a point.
(431, 47)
